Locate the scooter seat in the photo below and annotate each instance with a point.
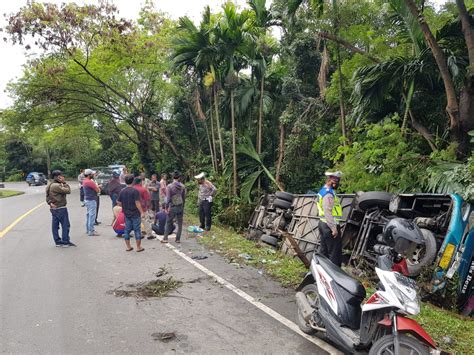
(347, 282)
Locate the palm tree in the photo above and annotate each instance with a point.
(263, 19)
(233, 38)
(395, 77)
(196, 48)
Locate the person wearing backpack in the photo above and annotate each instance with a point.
(174, 205)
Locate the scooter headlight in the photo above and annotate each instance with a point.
(406, 292)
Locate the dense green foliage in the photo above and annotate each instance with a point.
(352, 85)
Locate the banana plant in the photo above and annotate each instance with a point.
(255, 163)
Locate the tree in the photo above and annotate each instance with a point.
(459, 126)
(195, 49)
(234, 36)
(79, 40)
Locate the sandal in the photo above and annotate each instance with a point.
(139, 250)
(129, 249)
(164, 241)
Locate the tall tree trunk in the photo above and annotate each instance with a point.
(281, 152)
(339, 82)
(210, 146)
(260, 117)
(48, 161)
(219, 133)
(341, 99)
(234, 146)
(427, 135)
(466, 113)
(466, 99)
(198, 140)
(468, 31)
(213, 137)
(407, 98)
(452, 107)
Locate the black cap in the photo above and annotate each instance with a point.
(176, 174)
(56, 173)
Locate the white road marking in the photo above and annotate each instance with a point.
(275, 315)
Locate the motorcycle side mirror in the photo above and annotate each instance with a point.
(385, 262)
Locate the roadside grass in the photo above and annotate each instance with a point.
(9, 193)
(234, 247)
(452, 332)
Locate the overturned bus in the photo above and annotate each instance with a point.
(446, 222)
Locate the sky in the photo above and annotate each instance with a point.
(12, 58)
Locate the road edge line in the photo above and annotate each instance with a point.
(269, 311)
(18, 220)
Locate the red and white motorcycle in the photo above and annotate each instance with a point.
(329, 301)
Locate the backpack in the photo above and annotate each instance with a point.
(177, 198)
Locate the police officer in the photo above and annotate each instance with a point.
(330, 212)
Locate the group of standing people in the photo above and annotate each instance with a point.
(132, 206)
(140, 205)
(165, 201)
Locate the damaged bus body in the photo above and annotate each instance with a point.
(446, 221)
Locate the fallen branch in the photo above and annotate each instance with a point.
(345, 44)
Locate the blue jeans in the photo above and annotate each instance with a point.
(91, 206)
(60, 217)
(135, 225)
(114, 198)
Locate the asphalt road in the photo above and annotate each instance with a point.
(58, 301)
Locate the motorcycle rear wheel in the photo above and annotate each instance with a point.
(312, 295)
(408, 346)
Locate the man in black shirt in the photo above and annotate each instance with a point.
(129, 200)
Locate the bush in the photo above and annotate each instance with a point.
(232, 212)
(382, 158)
(15, 177)
(236, 215)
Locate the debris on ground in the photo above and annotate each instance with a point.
(199, 257)
(164, 337)
(245, 256)
(162, 271)
(195, 229)
(155, 288)
(196, 280)
(447, 340)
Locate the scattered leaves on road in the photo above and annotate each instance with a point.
(155, 288)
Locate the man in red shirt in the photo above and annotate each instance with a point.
(145, 201)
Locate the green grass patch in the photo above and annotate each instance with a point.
(9, 193)
(439, 323)
(233, 246)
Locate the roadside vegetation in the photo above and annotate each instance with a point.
(9, 193)
(379, 89)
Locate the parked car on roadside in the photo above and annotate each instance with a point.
(35, 178)
(446, 222)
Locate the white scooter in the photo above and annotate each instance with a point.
(329, 301)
